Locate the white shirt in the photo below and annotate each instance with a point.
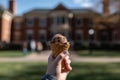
(33, 45)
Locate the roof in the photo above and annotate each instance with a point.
(61, 6)
(3, 10)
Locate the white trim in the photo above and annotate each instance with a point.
(60, 12)
(59, 19)
(29, 31)
(42, 31)
(7, 17)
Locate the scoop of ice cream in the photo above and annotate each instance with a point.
(58, 38)
(59, 44)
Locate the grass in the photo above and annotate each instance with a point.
(21, 71)
(79, 53)
(99, 53)
(11, 54)
(81, 71)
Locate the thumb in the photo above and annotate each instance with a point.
(59, 58)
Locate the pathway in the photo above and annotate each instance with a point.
(33, 57)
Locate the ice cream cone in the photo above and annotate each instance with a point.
(59, 44)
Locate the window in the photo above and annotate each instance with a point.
(63, 20)
(115, 35)
(79, 22)
(17, 25)
(104, 35)
(30, 22)
(29, 35)
(42, 35)
(90, 23)
(78, 35)
(60, 20)
(43, 22)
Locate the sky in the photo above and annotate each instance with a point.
(27, 5)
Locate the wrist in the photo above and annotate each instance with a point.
(51, 73)
(61, 78)
(49, 77)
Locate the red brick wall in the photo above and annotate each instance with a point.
(12, 6)
(19, 30)
(106, 7)
(72, 23)
(14, 31)
(6, 30)
(84, 28)
(36, 27)
(118, 32)
(0, 27)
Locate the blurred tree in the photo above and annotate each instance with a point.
(115, 4)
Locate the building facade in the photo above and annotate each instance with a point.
(79, 25)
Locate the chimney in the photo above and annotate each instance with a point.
(12, 6)
(106, 7)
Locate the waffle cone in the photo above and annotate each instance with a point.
(58, 48)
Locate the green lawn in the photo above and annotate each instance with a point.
(11, 54)
(81, 71)
(79, 53)
(98, 53)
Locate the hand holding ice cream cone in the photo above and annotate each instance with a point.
(58, 44)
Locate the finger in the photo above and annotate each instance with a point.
(50, 58)
(67, 60)
(68, 67)
(67, 57)
(64, 70)
(59, 58)
(66, 52)
(67, 64)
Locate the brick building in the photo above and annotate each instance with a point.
(42, 24)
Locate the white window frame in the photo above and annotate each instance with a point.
(58, 19)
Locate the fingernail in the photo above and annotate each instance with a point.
(65, 52)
